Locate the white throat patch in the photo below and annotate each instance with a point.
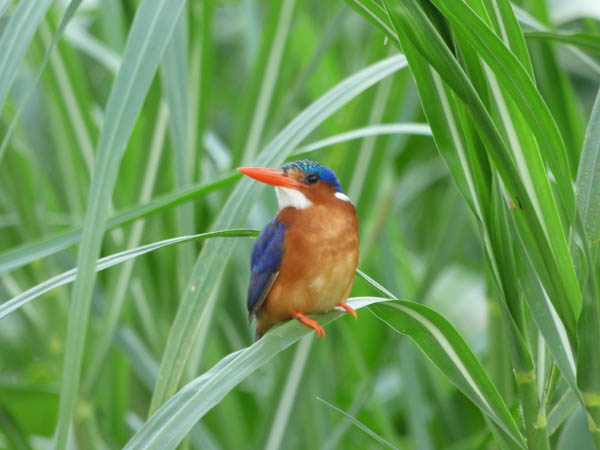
(291, 197)
(342, 196)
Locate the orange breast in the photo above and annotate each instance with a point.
(318, 265)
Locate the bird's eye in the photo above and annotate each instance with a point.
(312, 178)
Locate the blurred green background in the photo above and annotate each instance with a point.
(233, 76)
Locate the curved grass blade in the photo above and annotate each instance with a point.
(417, 28)
(170, 424)
(516, 82)
(360, 425)
(447, 350)
(152, 26)
(108, 261)
(16, 39)
(18, 257)
(421, 129)
(68, 15)
(210, 265)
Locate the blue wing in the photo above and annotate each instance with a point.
(264, 264)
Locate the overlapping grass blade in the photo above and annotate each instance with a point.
(153, 24)
(109, 261)
(68, 15)
(413, 22)
(516, 81)
(16, 39)
(360, 425)
(447, 350)
(17, 257)
(201, 290)
(172, 421)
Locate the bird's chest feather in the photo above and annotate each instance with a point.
(319, 260)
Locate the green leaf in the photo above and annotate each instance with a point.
(16, 39)
(447, 350)
(152, 26)
(516, 81)
(173, 420)
(360, 425)
(203, 284)
(108, 261)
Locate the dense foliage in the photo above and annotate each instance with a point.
(457, 128)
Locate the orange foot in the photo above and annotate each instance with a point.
(348, 309)
(311, 323)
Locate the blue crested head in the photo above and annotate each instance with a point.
(312, 168)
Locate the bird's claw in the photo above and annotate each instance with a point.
(348, 309)
(311, 323)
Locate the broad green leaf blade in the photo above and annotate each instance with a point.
(16, 39)
(517, 82)
(17, 257)
(447, 350)
(173, 420)
(360, 425)
(507, 26)
(108, 261)
(414, 26)
(69, 13)
(210, 265)
(152, 26)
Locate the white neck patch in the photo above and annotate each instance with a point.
(342, 196)
(291, 197)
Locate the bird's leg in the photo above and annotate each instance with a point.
(311, 323)
(348, 309)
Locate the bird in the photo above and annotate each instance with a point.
(304, 260)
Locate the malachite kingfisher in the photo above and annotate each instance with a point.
(304, 259)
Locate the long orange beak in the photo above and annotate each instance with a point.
(274, 177)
